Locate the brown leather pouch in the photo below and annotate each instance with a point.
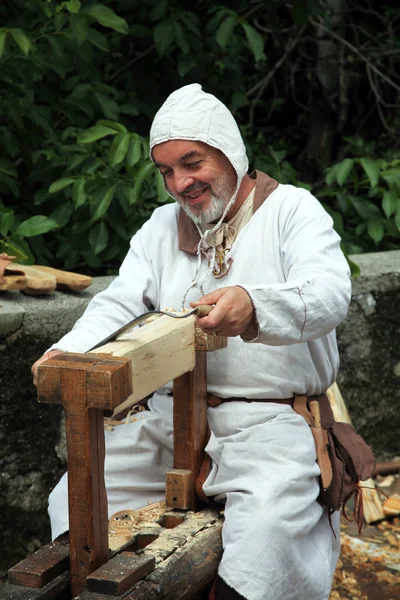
(350, 458)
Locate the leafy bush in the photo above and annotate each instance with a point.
(364, 201)
(82, 80)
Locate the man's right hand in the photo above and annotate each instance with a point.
(41, 360)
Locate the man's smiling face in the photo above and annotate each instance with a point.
(199, 177)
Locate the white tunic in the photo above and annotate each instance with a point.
(277, 540)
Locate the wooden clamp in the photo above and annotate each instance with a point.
(190, 425)
(85, 385)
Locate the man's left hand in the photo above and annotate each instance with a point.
(232, 314)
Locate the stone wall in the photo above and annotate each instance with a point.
(32, 456)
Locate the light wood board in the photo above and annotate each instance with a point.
(160, 351)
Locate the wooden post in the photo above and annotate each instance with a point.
(85, 385)
(190, 426)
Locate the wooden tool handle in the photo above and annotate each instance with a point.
(316, 412)
(203, 310)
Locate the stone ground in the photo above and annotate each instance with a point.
(369, 564)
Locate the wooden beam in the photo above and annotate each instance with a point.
(190, 427)
(120, 573)
(57, 589)
(41, 567)
(160, 351)
(85, 385)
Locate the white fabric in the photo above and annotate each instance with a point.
(191, 114)
(297, 278)
(277, 540)
(137, 457)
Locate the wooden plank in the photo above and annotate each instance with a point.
(187, 572)
(146, 536)
(159, 351)
(190, 422)
(49, 374)
(88, 519)
(120, 573)
(109, 382)
(57, 589)
(198, 541)
(172, 519)
(41, 567)
(179, 489)
(372, 506)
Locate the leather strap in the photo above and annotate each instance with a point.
(213, 400)
(318, 419)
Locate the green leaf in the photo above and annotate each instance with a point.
(81, 90)
(98, 237)
(104, 203)
(97, 39)
(376, 230)
(73, 6)
(118, 149)
(79, 27)
(162, 195)
(35, 226)
(20, 248)
(21, 39)
(180, 38)
(186, 63)
(389, 202)
(108, 106)
(372, 168)
(95, 133)
(107, 17)
(135, 151)
(164, 36)
(366, 209)
(141, 176)
(3, 37)
(225, 30)
(78, 192)
(6, 222)
(343, 170)
(255, 41)
(354, 268)
(159, 10)
(330, 176)
(60, 184)
(113, 125)
(62, 214)
(397, 221)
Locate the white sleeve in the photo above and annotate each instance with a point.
(316, 294)
(133, 292)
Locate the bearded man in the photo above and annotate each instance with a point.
(267, 257)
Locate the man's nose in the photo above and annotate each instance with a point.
(182, 181)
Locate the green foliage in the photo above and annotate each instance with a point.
(364, 201)
(81, 81)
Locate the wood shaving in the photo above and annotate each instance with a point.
(123, 525)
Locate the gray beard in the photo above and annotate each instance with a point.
(211, 214)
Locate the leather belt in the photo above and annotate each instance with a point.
(213, 400)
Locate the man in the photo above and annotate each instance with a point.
(267, 257)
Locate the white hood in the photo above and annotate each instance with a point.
(191, 114)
